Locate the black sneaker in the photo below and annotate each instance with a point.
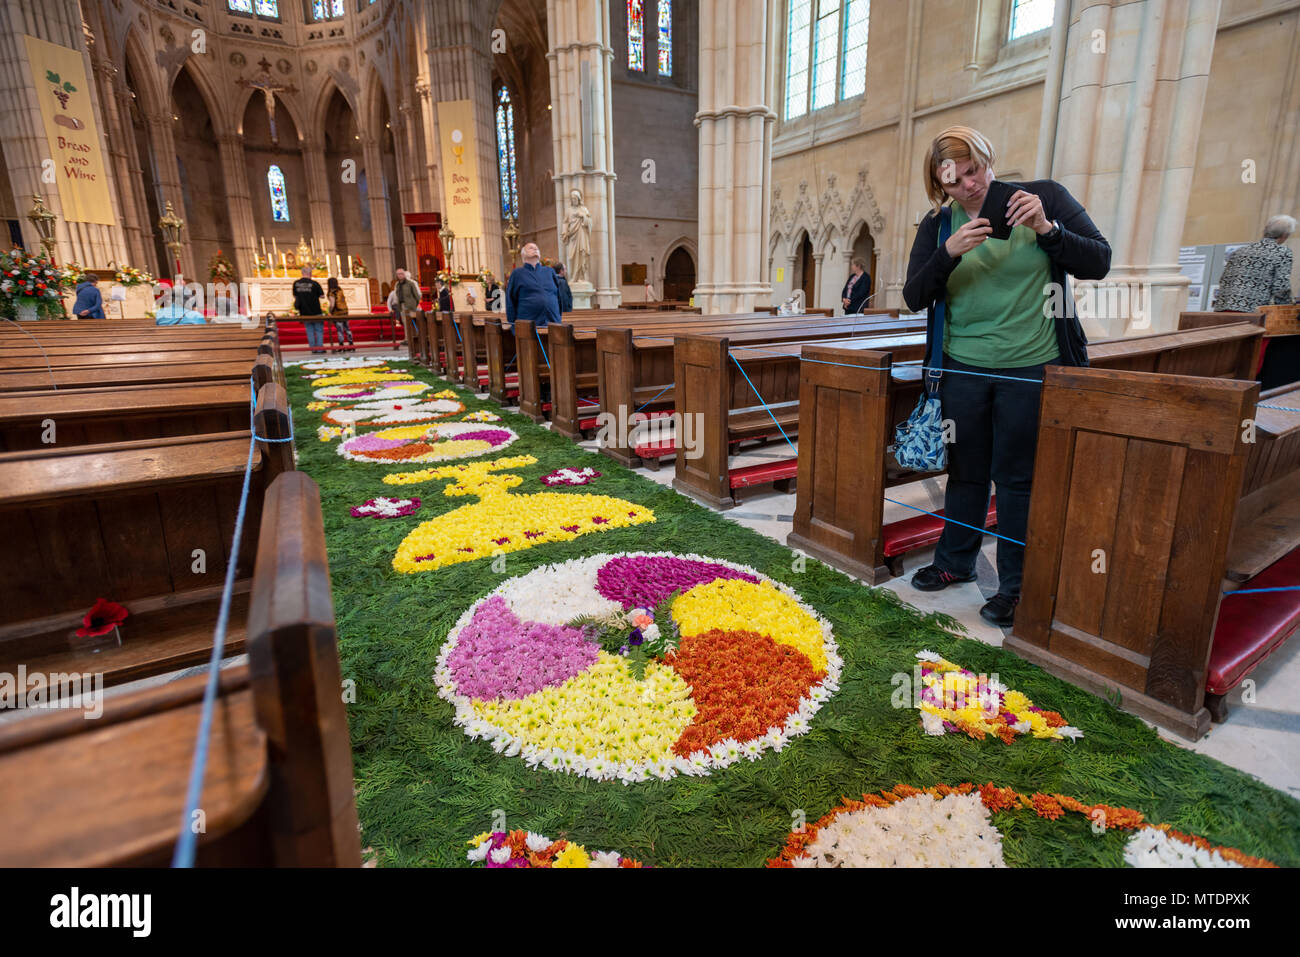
(934, 578)
(1000, 610)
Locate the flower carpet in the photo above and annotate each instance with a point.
(682, 691)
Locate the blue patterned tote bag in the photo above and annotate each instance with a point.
(918, 442)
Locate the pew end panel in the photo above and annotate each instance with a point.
(702, 389)
(1141, 471)
(843, 430)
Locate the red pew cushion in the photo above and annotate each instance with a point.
(922, 530)
(1251, 627)
(763, 473)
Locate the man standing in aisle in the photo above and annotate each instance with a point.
(307, 295)
(531, 292)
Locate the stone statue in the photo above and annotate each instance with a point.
(577, 238)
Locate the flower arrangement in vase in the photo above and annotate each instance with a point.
(132, 276)
(450, 278)
(359, 270)
(29, 285)
(221, 269)
(319, 269)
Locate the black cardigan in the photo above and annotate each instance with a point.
(1079, 249)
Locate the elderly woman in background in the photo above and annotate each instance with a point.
(1258, 274)
(1003, 328)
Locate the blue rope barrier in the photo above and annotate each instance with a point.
(187, 845)
(1257, 591)
(1280, 408)
(763, 403)
(945, 518)
(538, 333)
(661, 392)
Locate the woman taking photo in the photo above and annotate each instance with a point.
(336, 304)
(1007, 315)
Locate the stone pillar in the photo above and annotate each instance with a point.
(380, 231)
(119, 137)
(169, 191)
(459, 46)
(22, 130)
(318, 195)
(409, 178)
(1132, 96)
(234, 170)
(582, 133)
(737, 71)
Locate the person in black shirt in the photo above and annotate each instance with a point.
(562, 289)
(444, 297)
(307, 295)
(854, 295)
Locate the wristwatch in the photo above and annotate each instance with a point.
(1056, 230)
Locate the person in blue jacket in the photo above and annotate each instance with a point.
(89, 304)
(531, 292)
(562, 286)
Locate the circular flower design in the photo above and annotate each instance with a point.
(393, 412)
(332, 365)
(371, 391)
(421, 443)
(720, 663)
(385, 508)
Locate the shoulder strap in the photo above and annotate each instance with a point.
(934, 351)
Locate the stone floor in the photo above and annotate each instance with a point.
(1260, 737)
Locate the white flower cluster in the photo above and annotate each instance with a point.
(920, 831)
(1152, 847)
(395, 411)
(558, 593)
(386, 507)
(568, 476)
(331, 365)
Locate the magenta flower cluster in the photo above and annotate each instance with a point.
(499, 656)
(644, 581)
(494, 436)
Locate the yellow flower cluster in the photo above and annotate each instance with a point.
(318, 406)
(468, 477)
(603, 711)
(360, 377)
(501, 522)
(446, 394)
(735, 605)
(951, 683)
(573, 855)
(327, 432)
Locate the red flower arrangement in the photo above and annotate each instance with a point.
(101, 619)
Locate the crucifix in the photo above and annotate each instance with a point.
(269, 87)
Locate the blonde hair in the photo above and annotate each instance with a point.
(956, 144)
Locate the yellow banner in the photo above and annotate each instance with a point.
(59, 76)
(462, 212)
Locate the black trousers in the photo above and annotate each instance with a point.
(995, 437)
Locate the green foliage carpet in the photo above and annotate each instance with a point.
(424, 788)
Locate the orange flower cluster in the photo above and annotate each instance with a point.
(1050, 806)
(743, 683)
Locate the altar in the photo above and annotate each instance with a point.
(276, 295)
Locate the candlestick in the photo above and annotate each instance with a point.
(264, 256)
(338, 265)
(284, 266)
(349, 265)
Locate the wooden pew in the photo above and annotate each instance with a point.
(1200, 320)
(1143, 472)
(635, 370)
(278, 788)
(97, 416)
(723, 388)
(840, 404)
(146, 523)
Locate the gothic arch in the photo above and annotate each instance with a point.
(320, 109)
(148, 96)
(221, 124)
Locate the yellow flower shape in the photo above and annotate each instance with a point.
(358, 376)
(1017, 702)
(590, 713)
(736, 605)
(573, 855)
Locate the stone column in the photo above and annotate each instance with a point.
(380, 231)
(735, 118)
(409, 178)
(234, 170)
(1132, 96)
(582, 131)
(459, 45)
(168, 184)
(22, 130)
(120, 139)
(318, 194)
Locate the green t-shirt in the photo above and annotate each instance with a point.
(995, 316)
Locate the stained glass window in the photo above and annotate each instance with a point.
(636, 35)
(240, 6)
(327, 9)
(268, 8)
(853, 77)
(338, 8)
(1030, 16)
(825, 51)
(665, 37)
(279, 198)
(506, 155)
(796, 58)
(318, 9)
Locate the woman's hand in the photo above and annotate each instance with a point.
(1026, 209)
(968, 237)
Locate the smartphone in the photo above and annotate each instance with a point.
(995, 208)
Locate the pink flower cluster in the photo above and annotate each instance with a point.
(645, 581)
(499, 656)
(493, 436)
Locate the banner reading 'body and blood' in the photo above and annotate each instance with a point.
(460, 180)
(59, 78)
